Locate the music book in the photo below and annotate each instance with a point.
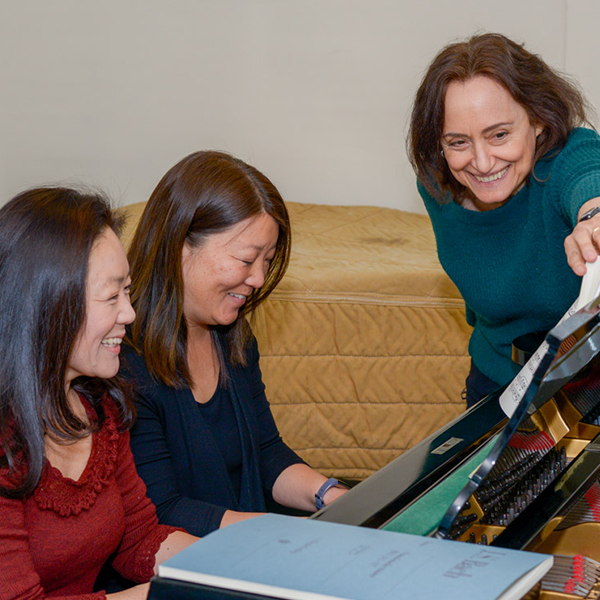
(290, 558)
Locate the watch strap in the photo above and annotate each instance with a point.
(589, 214)
(319, 502)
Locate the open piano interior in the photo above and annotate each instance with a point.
(527, 482)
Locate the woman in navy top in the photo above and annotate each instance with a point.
(213, 242)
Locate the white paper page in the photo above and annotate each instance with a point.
(514, 393)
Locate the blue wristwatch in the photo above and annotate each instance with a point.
(319, 502)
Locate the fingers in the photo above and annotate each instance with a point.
(574, 257)
(583, 245)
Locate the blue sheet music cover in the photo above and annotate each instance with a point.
(294, 558)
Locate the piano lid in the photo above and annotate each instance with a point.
(570, 348)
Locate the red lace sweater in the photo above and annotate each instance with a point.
(53, 543)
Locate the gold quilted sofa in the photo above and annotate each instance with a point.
(364, 342)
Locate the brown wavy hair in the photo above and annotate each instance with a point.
(550, 99)
(207, 192)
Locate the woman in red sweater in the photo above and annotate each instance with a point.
(70, 497)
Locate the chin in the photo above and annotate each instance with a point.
(229, 319)
(226, 322)
(495, 196)
(492, 200)
(105, 375)
(108, 373)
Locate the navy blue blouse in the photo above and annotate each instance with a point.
(179, 459)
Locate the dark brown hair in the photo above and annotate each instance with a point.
(205, 193)
(46, 237)
(549, 99)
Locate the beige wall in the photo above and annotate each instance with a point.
(315, 93)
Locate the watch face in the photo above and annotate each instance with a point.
(590, 213)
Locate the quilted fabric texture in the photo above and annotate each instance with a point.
(364, 342)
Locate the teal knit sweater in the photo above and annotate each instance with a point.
(509, 264)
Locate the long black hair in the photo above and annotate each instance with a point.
(46, 236)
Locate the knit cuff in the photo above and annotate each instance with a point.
(585, 189)
(141, 568)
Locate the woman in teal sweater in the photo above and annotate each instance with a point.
(511, 182)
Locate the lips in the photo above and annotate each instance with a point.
(112, 344)
(493, 177)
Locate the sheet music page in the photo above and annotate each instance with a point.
(301, 559)
(514, 393)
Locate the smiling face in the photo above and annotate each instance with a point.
(108, 310)
(220, 274)
(488, 141)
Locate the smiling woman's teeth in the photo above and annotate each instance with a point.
(237, 296)
(112, 341)
(492, 177)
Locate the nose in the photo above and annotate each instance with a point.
(257, 275)
(126, 312)
(482, 159)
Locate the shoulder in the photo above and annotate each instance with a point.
(12, 478)
(433, 205)
(579, 155)
(252, 353)
(131, 363)
(149, 393)
(240, 372)
(14, 467)
(113, 417)
(110, 407)
(425, 195)
(582, 142)
(250, 348)
(133, 369)
(583, 134)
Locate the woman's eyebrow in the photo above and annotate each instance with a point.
(486, 130)
(502, 124)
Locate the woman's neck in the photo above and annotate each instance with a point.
(203, 364)
(472, 203)
(70, 457)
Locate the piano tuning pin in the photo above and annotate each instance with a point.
(484, 540)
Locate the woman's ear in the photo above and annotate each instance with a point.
(185, 251)
(538, 129)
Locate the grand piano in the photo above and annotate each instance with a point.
(525, 481)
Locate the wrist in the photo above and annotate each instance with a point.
(320, 495)
(588, 214)
(332, 482)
